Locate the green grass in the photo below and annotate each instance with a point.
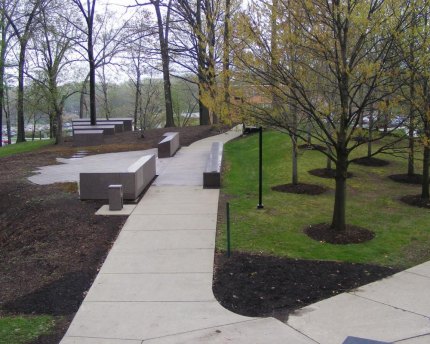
(402, 232)
(21, 330)
(24, 147)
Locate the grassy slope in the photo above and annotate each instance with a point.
(20, 330)
(23, 147)
(402, 232)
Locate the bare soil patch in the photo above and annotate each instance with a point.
(415, 179)
(300, 188)
(326, 173)
(352, 235)
(261, 285)
(51, 243)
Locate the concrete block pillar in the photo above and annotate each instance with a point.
(116, 197)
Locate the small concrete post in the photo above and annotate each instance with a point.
(115, 197)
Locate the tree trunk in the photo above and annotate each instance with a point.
(203, 109)
(426, 160)
(93, 113)
(92, 72)
(52, 129)
(370, 131)
(82, 102)
(59, 125)
(411, 140)
(294, 172)
(20, 100)
(165, 61)
(411, 151)
(339, 211)
(201, 66)
(7, 113)
(226, 59)
(328, 164)
(210, 24)
(137, 96)
(105, 89)
(2, 71)
(308, 132)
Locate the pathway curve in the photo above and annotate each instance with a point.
(156, 283)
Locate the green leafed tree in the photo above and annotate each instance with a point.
(333, 61)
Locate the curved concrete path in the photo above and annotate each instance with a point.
(156, 283)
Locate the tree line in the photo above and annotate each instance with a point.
(49, 43)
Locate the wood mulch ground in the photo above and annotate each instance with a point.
(52, 245)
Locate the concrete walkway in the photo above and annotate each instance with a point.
(156, 283)
(393, 310)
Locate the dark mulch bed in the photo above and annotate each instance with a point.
(326, 173)
(416, 201)
(259, 285)
(312, 147)
(360, 139)
(352, 235)
(372, 162)
(51, 243)
(415, 179)
(300, 188)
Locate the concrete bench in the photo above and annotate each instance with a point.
(169, 145)
(134, 179)
(119, 126)
(126, 121)
(107, 129)
(212, 172)
(88, 138)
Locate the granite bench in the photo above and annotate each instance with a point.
(88, 137)
(169, 145)
(134, 179)
(212, 172)
(126, 121)
(107, 129)
(119, 126)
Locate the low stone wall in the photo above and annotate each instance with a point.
(94, 185)
(119, 126)
(169, 145)
(126, 121)
(107, 129)
(88, 138)
(212, 173)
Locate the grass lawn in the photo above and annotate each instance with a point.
(17, 330)
(402, 232)
(24, 147)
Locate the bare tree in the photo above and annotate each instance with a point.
(52, 45)
(199, 49)
(6, 36)
(138, 54)
(163, 29)
(22, 20)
